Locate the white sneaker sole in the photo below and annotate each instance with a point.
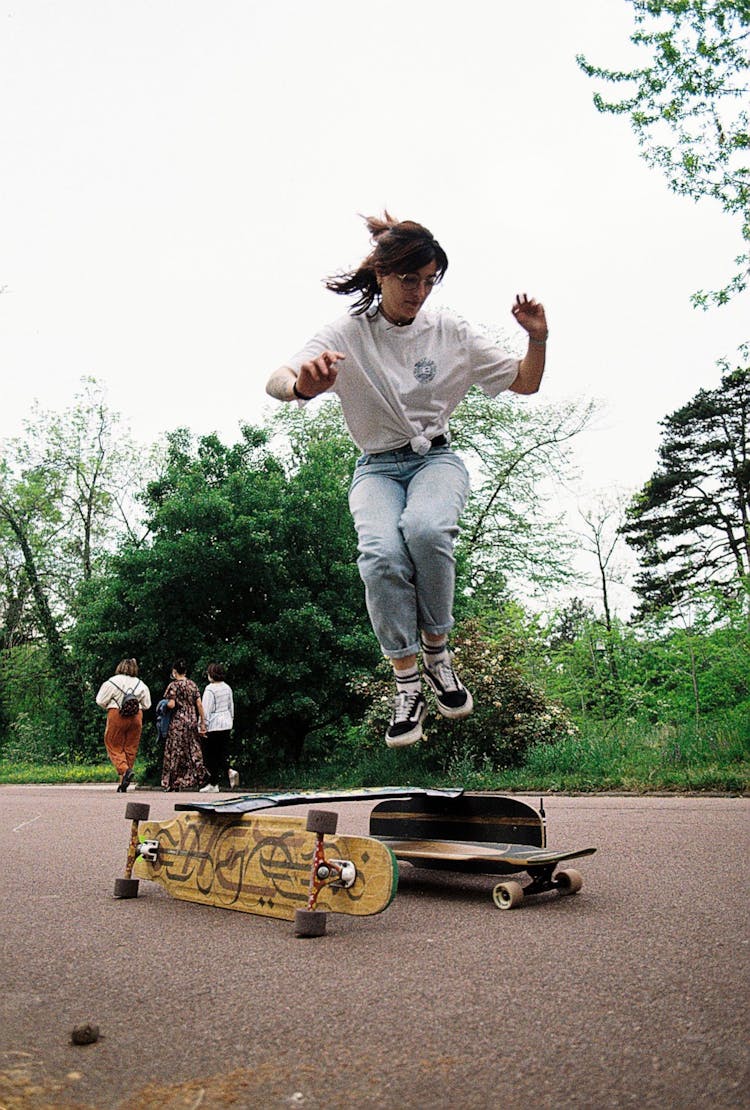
(445, 710)
(407, 738)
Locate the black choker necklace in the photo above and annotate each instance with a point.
(396, 323)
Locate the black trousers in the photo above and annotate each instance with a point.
(215, 747)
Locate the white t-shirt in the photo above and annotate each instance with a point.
(114, 689)
(218, 705)
(399, 385)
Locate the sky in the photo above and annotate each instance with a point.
(177, 177)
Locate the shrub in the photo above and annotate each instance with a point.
(38, 726)
(510, 713)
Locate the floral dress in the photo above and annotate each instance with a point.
(183, 767)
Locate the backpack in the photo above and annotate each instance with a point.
(129, 705)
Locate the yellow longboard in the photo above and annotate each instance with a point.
(272, 866)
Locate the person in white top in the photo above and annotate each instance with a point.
(122, 735)
(399, 371)
(218, 705)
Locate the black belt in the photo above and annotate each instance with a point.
(407, 449)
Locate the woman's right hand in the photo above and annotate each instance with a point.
(319, 374)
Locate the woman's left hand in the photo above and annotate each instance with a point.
(530, 315)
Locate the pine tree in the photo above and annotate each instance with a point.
(690, 523)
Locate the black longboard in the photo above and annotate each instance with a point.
(251, 803)
(481, 818)
(479, 833)
(489, 859)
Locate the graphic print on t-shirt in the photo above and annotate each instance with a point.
(425, 370)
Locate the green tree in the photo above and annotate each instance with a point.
(517, 455)
(18, 619)
(65, 496)
(583, 658)
(690, 524)
(688, 106)
(91, 470)
(692, 671)
(67, 491)
(250, 562)
(26, 530)
(600, 537)
(36, 718)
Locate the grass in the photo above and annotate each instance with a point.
(632, 759)
(682, 760)
(626, 757)
(15, 772)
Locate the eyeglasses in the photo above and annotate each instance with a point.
(412, 282)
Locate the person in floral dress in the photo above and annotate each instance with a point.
(183, 767)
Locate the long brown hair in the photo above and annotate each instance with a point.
(400, 247)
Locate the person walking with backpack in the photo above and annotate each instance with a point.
(124, 697)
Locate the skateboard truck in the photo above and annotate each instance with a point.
(135, 812)
(149, 849)
(336, 872)
(311, 922)
(510, 894)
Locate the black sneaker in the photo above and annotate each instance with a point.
(125, 782)
(409, 711)
(453, 699)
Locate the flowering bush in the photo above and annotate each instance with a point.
(510, 714)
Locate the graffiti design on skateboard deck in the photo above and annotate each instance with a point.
(480, 833)
(284, 867)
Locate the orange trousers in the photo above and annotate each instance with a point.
(121, 739)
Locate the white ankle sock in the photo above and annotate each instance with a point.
(435, 653)
(407, 682)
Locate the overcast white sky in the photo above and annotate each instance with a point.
(177, 176)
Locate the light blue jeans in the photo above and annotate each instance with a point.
(406, 509)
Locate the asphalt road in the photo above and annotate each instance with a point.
(632, 993)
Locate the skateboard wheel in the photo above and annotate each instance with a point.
(507, 895)
(309, 923)
(126, 888)
(137, 811)
(569, 882)
(322, 821)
